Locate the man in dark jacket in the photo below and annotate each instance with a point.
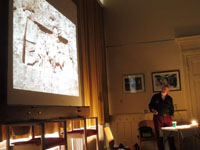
(161, 106)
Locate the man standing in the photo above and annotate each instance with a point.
(161, 106)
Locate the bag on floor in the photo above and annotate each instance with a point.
(146, 132)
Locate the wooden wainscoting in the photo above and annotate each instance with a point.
(125, 128)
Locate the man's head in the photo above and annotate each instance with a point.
(165, 90)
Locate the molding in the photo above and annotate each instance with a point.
(188, 38)
(188, 43)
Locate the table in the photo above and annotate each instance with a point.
(181, 132)
(44, 141)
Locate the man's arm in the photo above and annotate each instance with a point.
(172, 108)
(152, 106)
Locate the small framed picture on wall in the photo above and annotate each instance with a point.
(133, 83)
(170, 78)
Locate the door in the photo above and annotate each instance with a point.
(193, 76)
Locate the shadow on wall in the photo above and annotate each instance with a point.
(187, 31)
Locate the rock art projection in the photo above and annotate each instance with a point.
(44, 49)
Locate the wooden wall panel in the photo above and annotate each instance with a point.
(125, 128)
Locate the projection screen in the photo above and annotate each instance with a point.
(43, 54)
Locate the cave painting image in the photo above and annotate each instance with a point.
(44, 49)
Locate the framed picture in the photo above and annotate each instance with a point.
(133, 83)
(170, 78)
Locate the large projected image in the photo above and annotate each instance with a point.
(44, 49)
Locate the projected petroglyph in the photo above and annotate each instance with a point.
(44, 49)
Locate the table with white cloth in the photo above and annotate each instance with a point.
(181, 132)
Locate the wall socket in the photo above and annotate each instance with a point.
(175, 106)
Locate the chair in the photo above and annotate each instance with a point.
(109, 137)
(146, 123)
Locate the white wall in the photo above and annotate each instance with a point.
(140, 39)
(144, 58)
(129, 21)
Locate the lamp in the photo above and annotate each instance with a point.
(194, 123)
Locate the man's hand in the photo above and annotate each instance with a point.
(155, 112)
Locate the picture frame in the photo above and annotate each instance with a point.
(170, 78)
(133, 83)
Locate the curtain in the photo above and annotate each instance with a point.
(93, 58)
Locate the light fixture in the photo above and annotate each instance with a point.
(194, 123)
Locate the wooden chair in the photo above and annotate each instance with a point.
(146, 123)
(109, 137)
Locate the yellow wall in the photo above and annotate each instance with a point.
(140, 39)
(129, 21)
(142, 58)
